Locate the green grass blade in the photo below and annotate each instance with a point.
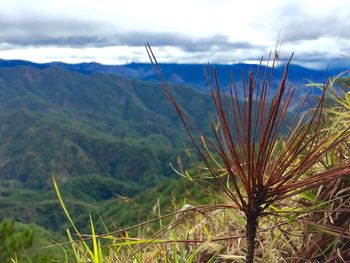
(94, 242)
(176, 257)
(58, 193)
(194, 253)
(213, 258)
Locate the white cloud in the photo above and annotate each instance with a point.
(113, 31)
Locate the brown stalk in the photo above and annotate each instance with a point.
(247, 144)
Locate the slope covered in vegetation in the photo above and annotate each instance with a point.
(99, 135)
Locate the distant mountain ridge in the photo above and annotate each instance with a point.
(190, 74)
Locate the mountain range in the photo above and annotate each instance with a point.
(101, 131)
(188, 74)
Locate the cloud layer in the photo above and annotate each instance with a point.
(216, 31)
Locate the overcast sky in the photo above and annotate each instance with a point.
(183, 31)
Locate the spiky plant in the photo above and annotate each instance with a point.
(262, 165)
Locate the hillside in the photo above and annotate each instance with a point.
(100, 135)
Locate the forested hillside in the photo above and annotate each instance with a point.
(100, 136)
